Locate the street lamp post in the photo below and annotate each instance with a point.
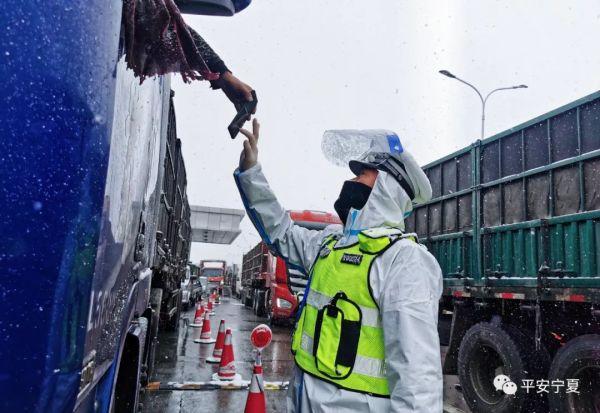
(483, 99)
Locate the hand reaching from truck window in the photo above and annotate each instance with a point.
(235, 89)
(249, 155)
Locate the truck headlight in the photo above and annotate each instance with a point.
(281, 303)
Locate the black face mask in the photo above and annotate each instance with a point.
(353, 195)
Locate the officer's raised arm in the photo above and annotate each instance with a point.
(297, 245)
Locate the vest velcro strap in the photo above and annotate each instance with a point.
(370, 316)
(366, 366)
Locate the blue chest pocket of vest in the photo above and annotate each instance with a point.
(337, 332)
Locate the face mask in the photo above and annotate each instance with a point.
(353, 195)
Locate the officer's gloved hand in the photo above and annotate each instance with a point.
(249, 156)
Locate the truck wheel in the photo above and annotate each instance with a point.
(578, 359)
(488, 350)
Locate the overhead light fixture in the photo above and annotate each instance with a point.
(447, 73)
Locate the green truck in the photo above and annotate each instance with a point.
(515, 226)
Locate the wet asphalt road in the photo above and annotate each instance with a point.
(179, 359)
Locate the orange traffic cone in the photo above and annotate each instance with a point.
(198, 315)
(218, 350)
(205, 335)
(256, 403)
(227, 365)
(209, 307)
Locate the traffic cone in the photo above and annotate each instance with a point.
(205, 335)
(198, 316)
(256, 403)
(227, 365)
(218, 350)
(209, 307)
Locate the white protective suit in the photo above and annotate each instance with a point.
(406, 281)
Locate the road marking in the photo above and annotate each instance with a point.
(212, 385)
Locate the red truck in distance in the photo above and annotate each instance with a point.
(214, 271)
(269, 287)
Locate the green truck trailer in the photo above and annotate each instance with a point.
(515, 226)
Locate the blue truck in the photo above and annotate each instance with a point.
(95, 220)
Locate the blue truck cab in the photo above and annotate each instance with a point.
(95, 219)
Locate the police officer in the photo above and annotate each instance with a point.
(366, 339)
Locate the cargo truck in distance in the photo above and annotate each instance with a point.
(515, 226)
(232, 279)
(214, 272)
(269, 287)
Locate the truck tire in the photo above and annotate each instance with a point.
(578, 359)
(488, 350)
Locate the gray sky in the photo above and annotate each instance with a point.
(320, 65)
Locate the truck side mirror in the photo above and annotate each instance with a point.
(207, 7)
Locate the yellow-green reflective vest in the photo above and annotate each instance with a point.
(339, 336)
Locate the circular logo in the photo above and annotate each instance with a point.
(503, 383)
(509, 387)
(499, 381)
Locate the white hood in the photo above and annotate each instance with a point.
(388, 203)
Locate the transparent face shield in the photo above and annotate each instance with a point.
(342, 146)
(366, 148)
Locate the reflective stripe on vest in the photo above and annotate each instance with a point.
(367, 366)
(339, 334)
(370, 316)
